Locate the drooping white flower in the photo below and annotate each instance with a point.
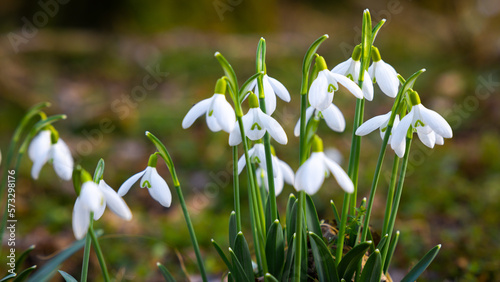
(326, 83)
(429, 125)
(313, 171)
(351, 69)
(94, 198)
(255, 124)
(383, 74)
(45, 147)
(332, 116)
(281, 170)
(272, 88)
(157, 187)
(219, 113)
(379, 122)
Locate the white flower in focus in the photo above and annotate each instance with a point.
(351, 69)
(219, 113)
(313, 171)
(48, 147)
(272, 88)
(383, 74)
(94, 198)
(379, 122)
(256, 123)
(332, 116)
(155, 184)
(326, 83)
(430, 126)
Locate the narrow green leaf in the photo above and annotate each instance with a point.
(239, 272)
(382, 242)
(230, 74)
(372, 270)
(269, 277)
(162, 150)
(233, 230)
(312, 217)
(67, 277)
(222, 255)
(275, 249)
(48, 270)
(290, 255)
(261, 55)
(165, 273)
(246, 86)
(335, 212)
(24, 274)
(242, 252)
(420, 267)
(99, 171)
(308, 58)
(323, 259)
(289, 206)
(8, 277)
(292, 222)
(23, 257)
(376, 29)
(390, 252)
(350, 261)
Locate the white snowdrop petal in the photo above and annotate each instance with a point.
(115, 203)
(235, 135)
(428, 139)
(278, 183)
(195, 112)
(100, 211)
(349, 85)
(224, 113)
(343, 67)
(309, 113)
(372, 124)
(311, 175)
(439, 139)
(242, 161)
(387, 79)
(279, 89)
(319, 97)
(38, 163)
(159, 189)
(274, 128)
(287, 172)
(436, 122)
(334, 118)
(367, 87)
(40, 145)
(399, 133)
(254, 129)
(125, 187)
(81, 220)
(91, 197)
(212, 123)
(342, 178)
(62, 160)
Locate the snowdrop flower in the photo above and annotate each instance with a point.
(313, 171)
(94, 198)
(379, 122)
(281, 171)
(157, 187)
(430, 126)
(351, 68)
(256, 123)
(48, 147)
(220, 114)
(324, 86)
(384, 74)
(332, 116)
(272, 88)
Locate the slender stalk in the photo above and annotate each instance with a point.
(254, 226)
(86, 252)
(236, 188)
(390, 194)
(100, 256)
(397, 197)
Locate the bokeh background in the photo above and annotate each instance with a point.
(89, 59)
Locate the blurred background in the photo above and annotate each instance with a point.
(94, 60)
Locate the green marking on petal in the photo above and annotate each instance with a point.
(211, 113)
(419, 123)
(331, 88)
(383, 129)
(256, 125)
(257, 160)
(350, 77)
(146, 184)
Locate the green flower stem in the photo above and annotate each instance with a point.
(86, 251)
(390, 194)
(168, 160)
(97, 249)
(236, 188)
(397, 197)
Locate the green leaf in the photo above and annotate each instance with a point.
(48, 270)
(366, 39)
(162, 150)
(420, 267)
(291, 222)
(269, 277)
(376, 29)
(230, 74)
(290, 255)
(23, 257)
(239, 272)
(166, 274)
(289, 214)
(233, 229)
(382, 242)
(372, 270)
(222, 255)
(275, 249)
(261, 55)
(8, 277)
(24, 274)
(323, 259)
(312, 217)
(308, 58)
(246, 86)
(335, 212)
(242, 252)
(390, 252)
(99, 171)
(350, 261)
(67, 277)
